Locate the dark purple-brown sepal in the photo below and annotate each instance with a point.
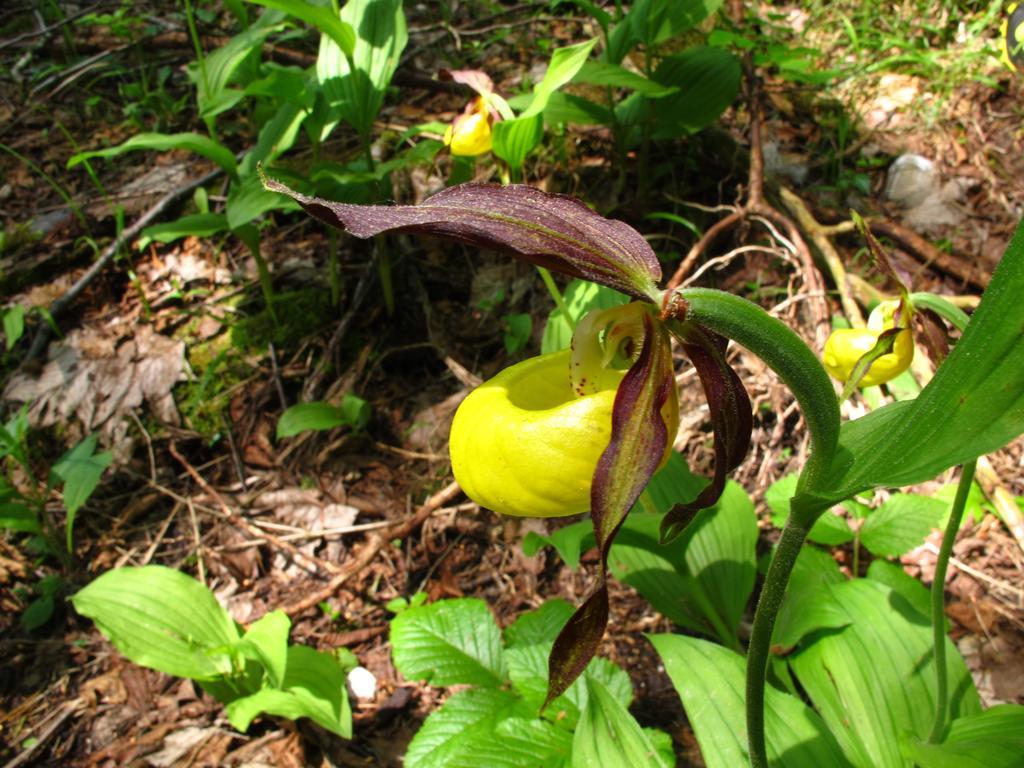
(731, 419)
(639, 440)
(553, 231)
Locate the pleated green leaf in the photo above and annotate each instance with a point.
(709, 679)
(313, 687)
(873, 681)
(164, 142)
(451, 642)
(162, 619)
(992, 739)
(608, 736)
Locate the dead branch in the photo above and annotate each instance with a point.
(158, 209)
(232, 517)
(373, 546)
(755, 205)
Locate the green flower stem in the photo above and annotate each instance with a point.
(786, 354)
(944, 309)
(956, 514)
(801, 371)
(549, 283)
(768, 605)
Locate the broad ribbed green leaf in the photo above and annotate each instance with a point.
(568, 108)
(222, 66)
(314, 687)
(974, 405)
(528, 670)
(541, 625)
(807, 607)
(901, 524)
(15, 516)
(829, 529)
(248, 200)
(992, 739)
(193, 225)
(319, 16)
(709, 679)
(266, 641)
(515, 742)
(466, 718)
(164, 142)
(450, 642)
(655, 21)
(615, 76)
(80, 469)
(608, 736)
(355, 80)
(529, 641)
(707, 81)
(514, 139)
(874, 680)
(162, 619)
(703, 579)
(901, 582)
(317, 416)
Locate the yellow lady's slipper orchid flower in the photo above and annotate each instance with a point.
(470, 134)
(526, 444)
(1011, 37)
(848, 345)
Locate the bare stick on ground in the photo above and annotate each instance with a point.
(373, 546)
(756, 205)
(158, 209)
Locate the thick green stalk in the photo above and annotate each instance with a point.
(801, 371)
(772, 594)
(786, 354)
(956, 514)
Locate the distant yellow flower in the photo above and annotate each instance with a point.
(1011, 37)
(846, 346)
(470, 134)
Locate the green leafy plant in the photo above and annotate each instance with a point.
(23, 505)
(353, 412)
(916, 692)
(24, 494)
(676, 91)
(359, 50)
(165, 620)
(893, 529)
(494, 721)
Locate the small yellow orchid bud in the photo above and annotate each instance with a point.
(525, 444)
(883, 316)
(847, 345)
(470, 134)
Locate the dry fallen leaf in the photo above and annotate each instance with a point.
(96, 379)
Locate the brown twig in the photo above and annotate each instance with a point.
(63, 302)
(373, 546)
(26, 756)
(232, 517)
(835, 265)
(963, 269)
(756, 205)
(1001, 498)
